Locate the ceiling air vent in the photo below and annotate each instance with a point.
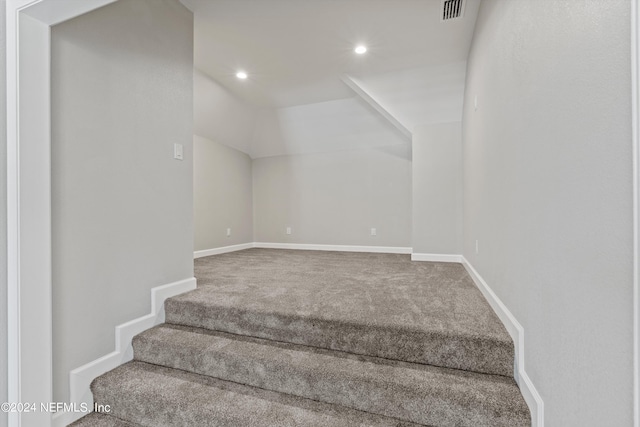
(452, 9)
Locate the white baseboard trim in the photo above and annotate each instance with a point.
(515, 329)
(80, 378)
(336, 248)
(222, 250)
(436, 257)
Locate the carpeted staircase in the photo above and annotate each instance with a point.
(247, 349)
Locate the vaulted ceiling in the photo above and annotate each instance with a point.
(297, 52)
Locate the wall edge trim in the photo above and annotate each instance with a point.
(635, 143)
(222, 250)
(336, 248)
(436, 257)
(81, 377)
(515, 329)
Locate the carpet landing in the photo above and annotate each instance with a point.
(305, 338)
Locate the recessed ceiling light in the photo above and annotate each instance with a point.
(241, 75)
(360, 49)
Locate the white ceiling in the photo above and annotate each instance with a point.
(296, 50)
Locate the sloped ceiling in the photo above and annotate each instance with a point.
(296, 51)
(340, 124)
(219, 115)
(421, 95)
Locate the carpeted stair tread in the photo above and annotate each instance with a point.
(381, 305)
(152, 395)
(96, 419)
(418, 393)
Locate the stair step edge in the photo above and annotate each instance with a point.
(416, 393)
(490, 355)
(97, 419)
(151, 395)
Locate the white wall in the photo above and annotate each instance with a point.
(335, 198)
(331, 171)
(437, 189)
(548, 194)
(223, 195)
(3, 214)
(220, 116)
(122, 95)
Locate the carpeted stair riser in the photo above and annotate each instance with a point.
(422, 394)
(470, 353)
(96, 419)
(151, 395)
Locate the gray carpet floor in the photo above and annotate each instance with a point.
(383, 305)
(302, 338)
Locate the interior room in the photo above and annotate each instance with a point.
(319, 213)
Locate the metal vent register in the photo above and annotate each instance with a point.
(452, 9)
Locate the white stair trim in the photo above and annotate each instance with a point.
(515, 329)
(222, 250)
(80, 378)
(436, 257)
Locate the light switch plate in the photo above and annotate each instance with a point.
(177, 151)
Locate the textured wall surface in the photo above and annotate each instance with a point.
(335, 198)
(3, 214)
(547, 161)
(223, 195)
(122, 95)
(437, 189)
